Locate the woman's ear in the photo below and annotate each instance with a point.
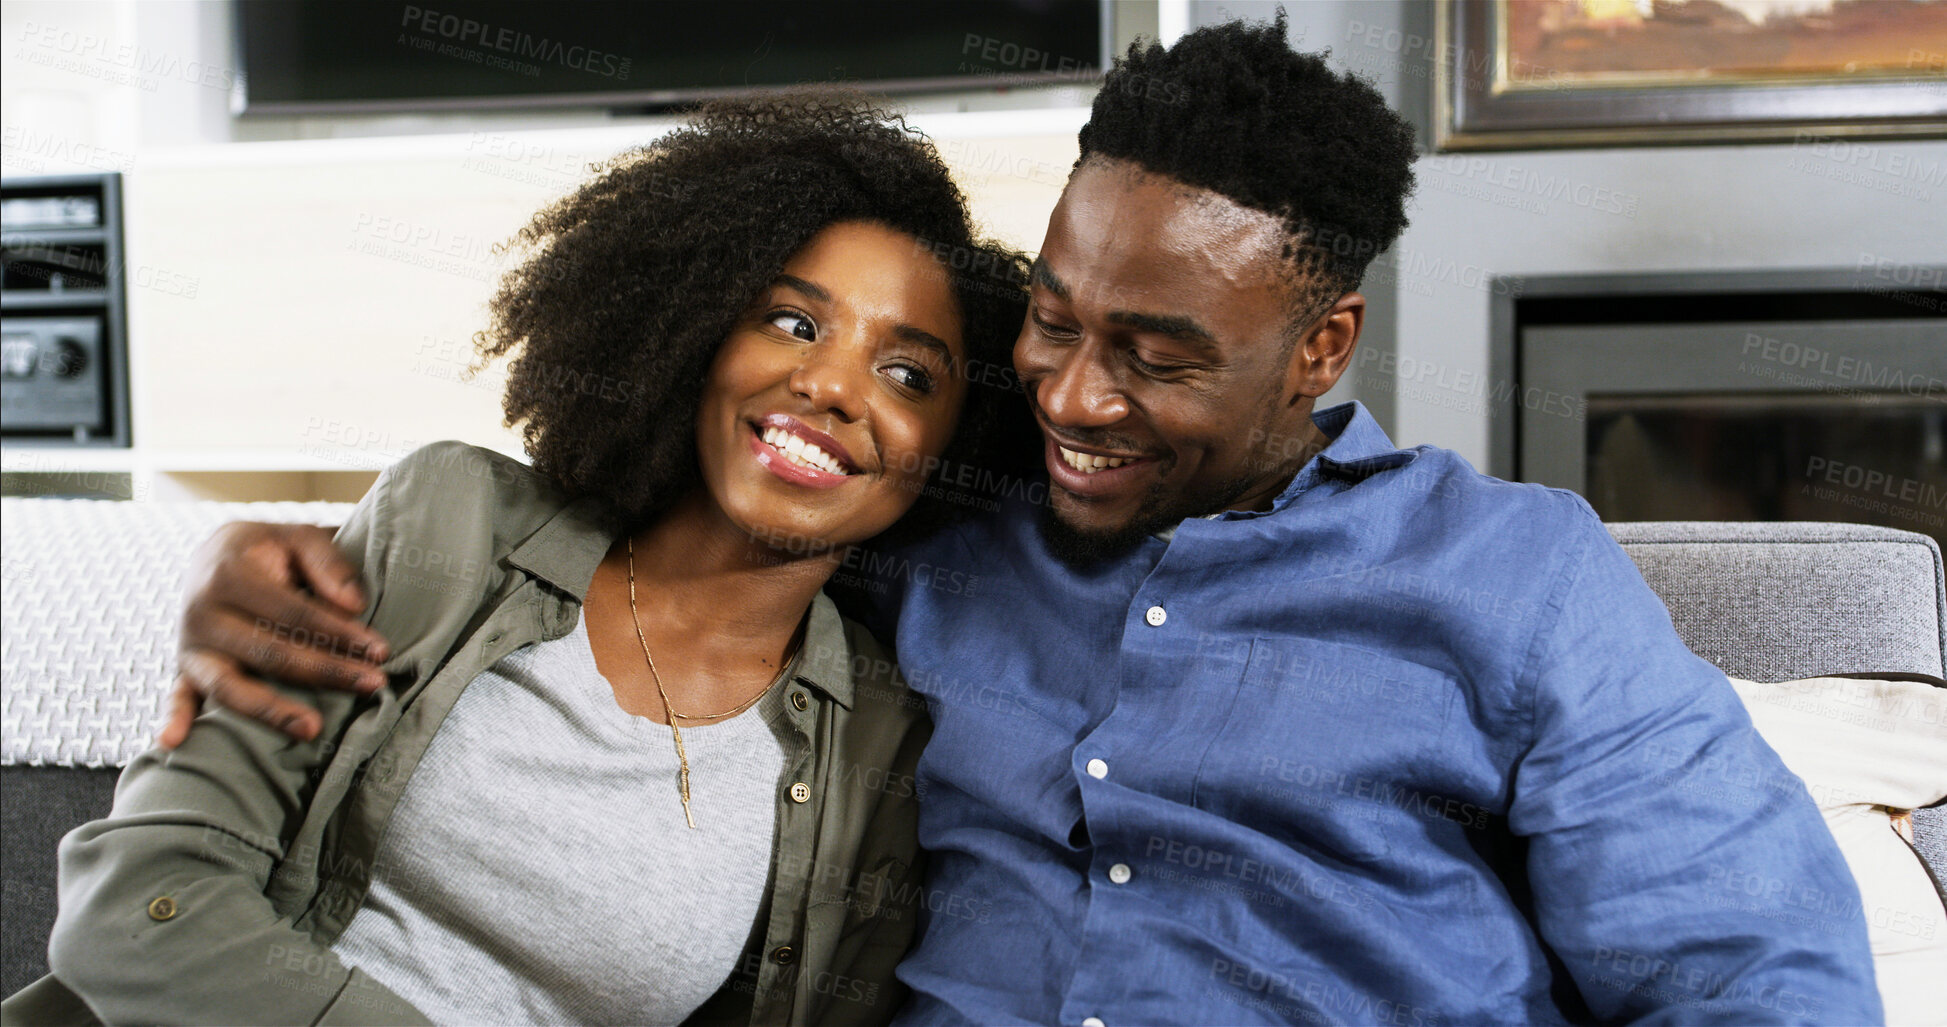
(1324, 351)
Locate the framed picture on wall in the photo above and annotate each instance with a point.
(1520, 74)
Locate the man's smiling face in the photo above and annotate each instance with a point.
(1160, 355)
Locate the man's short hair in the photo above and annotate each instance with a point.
(1232, 109)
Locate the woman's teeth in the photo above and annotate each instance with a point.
(800, 452)
(1088, 463)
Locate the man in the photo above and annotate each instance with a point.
(1258, 718)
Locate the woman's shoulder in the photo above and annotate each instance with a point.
(858, 670)
(876, 678)
(466, 472)
(442, 521)
(455, 489)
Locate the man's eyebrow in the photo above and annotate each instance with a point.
(1176, 327)
(1173, 326)
(922, 337)
(1046, 279)
(816, 292)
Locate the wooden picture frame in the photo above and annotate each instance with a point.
(1522, 74)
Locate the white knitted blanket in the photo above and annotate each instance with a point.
(90, 602)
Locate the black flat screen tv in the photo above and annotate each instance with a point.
(355, 56)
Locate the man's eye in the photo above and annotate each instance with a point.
(1048, 327)
(794, 324)
(914, 378)
(1149, 368)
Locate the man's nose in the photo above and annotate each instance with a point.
(1080, 392)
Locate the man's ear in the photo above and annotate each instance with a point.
(1323, 353)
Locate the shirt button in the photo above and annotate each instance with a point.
(1094, 1021)
(1119, 874)
(800, 792)
(163, 908)
(1156, 616)
(784, 954)
(799, 702)
(1098, 768)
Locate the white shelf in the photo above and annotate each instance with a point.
(20, 459)
(179, 475)
(52, 460)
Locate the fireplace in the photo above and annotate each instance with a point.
(1731, 396)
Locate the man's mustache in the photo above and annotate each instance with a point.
(1088, 438)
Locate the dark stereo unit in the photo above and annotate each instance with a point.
(63, 335)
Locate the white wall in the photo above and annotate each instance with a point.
(62, 106)
(317, 297)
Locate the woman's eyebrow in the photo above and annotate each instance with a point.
(906, 333)
(816, 292)
(922, 337)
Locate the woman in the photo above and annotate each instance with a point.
(630, 765)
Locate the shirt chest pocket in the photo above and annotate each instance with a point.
(1324, 744)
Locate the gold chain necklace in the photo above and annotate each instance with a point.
(669, 713)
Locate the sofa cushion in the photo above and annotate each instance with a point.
(37, 806)
(1782, 601)
(1869, 750)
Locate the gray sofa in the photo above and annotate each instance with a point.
(1802, 599)
(91, 590)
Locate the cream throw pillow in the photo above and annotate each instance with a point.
(1869, 750)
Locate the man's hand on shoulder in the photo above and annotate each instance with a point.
(246, 616)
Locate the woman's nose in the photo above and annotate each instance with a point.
(833, 377)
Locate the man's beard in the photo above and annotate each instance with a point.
(1082, 548)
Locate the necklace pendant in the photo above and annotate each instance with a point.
(684, 780)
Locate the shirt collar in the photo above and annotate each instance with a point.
(826, 662)
(1359, 450)
(565, 551)
(1359, 446)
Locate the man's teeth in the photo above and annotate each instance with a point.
(802, 453)
(1088, 463)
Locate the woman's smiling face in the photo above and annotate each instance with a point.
(835, 393)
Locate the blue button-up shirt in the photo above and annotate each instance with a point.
(1415, 746)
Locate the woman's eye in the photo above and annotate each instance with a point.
(914, 378)
(795, 325)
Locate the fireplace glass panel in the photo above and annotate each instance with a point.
(1868, 459)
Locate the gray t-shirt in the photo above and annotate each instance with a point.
(538, 869)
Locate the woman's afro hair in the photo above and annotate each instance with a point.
(1232, 109)
(628, 286)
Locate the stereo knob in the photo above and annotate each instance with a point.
(68, 359)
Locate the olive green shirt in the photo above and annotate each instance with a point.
(213, 891)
